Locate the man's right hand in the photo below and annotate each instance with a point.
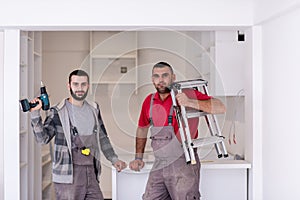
(136, 165)
(38, 106)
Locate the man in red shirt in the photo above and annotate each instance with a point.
(170, 176)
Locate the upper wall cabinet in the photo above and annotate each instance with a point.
(113, 57)
(188, 52)
(183, 50)
(230, 61)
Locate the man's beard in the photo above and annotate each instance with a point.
(163, 90)
(77, 97)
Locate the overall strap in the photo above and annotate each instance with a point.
(170, 116)
(151, 105)
(74, 130)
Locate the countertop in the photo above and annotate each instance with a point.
(205, 164)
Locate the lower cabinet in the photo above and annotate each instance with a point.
(224, 179)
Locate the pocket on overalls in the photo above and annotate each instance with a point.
(160, 139)
(161, 135)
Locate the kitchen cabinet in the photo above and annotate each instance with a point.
(228, 73)
(220, 179)
(113, 58)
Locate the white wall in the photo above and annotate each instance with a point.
(110, 13)
(11, 153)
(266, 9)
(278, 21)
(281, 97)
(1, 114)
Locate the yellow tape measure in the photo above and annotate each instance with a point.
(86, 151)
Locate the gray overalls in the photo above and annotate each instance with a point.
(170, 177)
(85, 185)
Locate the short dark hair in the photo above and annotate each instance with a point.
(163, 64)
(78, 72)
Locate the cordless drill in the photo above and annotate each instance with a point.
(26, 105)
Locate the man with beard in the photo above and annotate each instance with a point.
(170, 176)
(79, 135)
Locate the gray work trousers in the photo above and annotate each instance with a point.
(177, 181)
(85, 185)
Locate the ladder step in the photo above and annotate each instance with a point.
(207, 141)
(195, 113)
(191, 83)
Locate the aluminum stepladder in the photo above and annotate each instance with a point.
(182, 116)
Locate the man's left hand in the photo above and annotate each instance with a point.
(120, 165)
(183, 100)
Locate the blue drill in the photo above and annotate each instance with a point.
(26, 105)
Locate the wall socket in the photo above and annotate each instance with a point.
(241, 36)
(123, 69)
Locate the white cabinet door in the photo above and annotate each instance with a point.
(230, 61)
(222, 180)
